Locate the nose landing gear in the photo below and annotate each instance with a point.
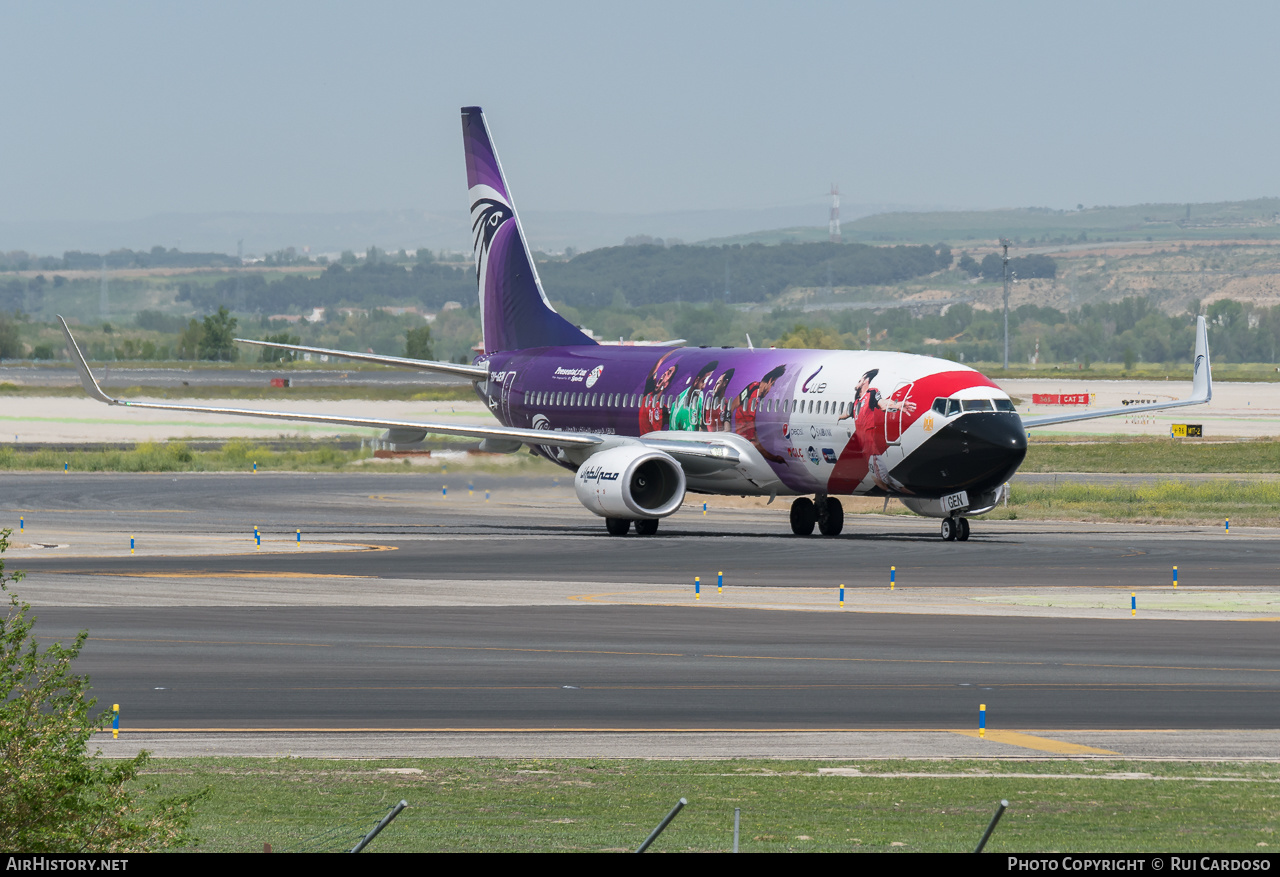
(955, 529)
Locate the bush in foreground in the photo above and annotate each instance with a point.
(54, 795)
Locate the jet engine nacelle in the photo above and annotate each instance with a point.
(630, 482)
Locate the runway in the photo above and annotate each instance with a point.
(414, 618)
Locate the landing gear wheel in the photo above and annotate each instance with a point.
(949, 529)
(963, 535)
(647, 527)
(803, 516)
(617, 526)
(832, 522)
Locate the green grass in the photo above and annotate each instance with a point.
(1241, 501)
(525, 805)
(239, 455)
(1120, 454)
(235, 456)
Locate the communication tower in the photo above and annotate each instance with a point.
(833, 229)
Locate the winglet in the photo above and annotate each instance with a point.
(1201, 373)
(86, 377)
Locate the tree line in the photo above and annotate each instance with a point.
(623, 276)
(74, 260)
(1130, 331)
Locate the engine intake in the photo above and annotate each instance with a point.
(630, 482)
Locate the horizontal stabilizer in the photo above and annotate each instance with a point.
(525, 436)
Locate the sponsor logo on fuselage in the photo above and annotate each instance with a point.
(829, 454)
(594, 375)
(540, 421)
(795, 453)
(928, 423)
(569, 374)
(813, 456)
(597, 474)
(809, 387)
(819, 431)
(794, 431)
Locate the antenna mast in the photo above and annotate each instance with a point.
(833, 228)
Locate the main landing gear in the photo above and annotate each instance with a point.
(620, 526)
(826, 513)
(955, 529)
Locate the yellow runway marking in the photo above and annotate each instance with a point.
(364, 546)
(104, 511)
(1040, 744)
(197, 574)
(641, 730)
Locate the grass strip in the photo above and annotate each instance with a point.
(240, 455)
(234, 456)
(559, 805)
(1255, 503)
(1146, 454)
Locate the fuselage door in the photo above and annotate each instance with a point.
(508, 381)
(893, 417)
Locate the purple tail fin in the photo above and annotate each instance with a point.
(514, 311)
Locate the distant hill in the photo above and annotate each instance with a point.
(1256, 219)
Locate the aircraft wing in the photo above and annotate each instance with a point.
(1201, 390)
(474, 372)
(501, 433)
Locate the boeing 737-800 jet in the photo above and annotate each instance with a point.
(641, 426)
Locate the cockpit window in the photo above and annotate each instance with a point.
(976, 405)
(940, 406)
(1005, 405)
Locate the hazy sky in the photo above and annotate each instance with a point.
(118, 110)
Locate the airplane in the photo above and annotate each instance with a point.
(641, 426)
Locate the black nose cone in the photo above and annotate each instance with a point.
(976, 452)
